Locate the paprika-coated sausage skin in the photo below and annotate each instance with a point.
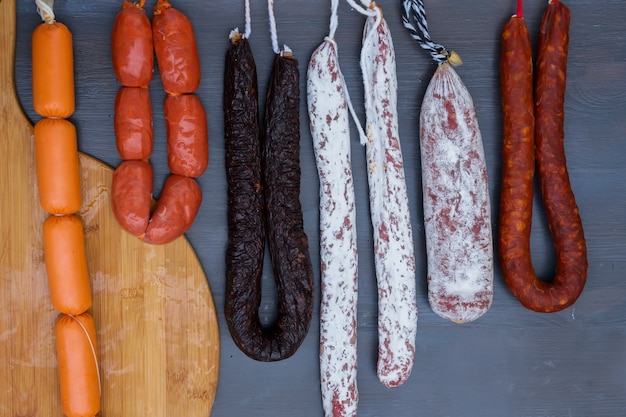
(175, 210)
(53, 70)
(176, 50)
(133, 123)
(187, 135)
(58, 172)
(132, 46)
(131, 196)
(547, 140)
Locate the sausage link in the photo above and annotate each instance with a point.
(457, 212)
(176, 49)
(389, 207)
(287, 241)
(246, 215)
(288, 244)
(330, 130)
(133, 61)
(175, 210)
(77, 352)
(58, 172)
(66, 264)
(558, 198)
(187, 135)
(131, 196)
(133, 123)
(53, 70)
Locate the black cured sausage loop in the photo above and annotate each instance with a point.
(263, 193)
(288, 244)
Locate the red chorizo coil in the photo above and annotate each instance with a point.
(543, 140)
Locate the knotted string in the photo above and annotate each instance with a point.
(414, 11)
(235, 35)
(44, 8)
(334, 22)
(369, 9)
(274, 36)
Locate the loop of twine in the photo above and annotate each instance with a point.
(363, 8)
(414, 10)
(45, 10)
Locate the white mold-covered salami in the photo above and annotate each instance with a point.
(330, 129)
(457, 217)
(389, 207)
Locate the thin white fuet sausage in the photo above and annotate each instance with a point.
(457, 214)
(389, 207)
(327, 100)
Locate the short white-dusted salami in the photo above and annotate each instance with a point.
(457, 214)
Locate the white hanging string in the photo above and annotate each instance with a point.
(248, 29)
(270, 10)
(364, 9)
(44, 8)
(234, 34)
(334, 22)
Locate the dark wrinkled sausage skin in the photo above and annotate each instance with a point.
(133, 123)
(175, 210)
(523, 142)
(133, 61)
(288, 244)
(279, 171)
(246, 220)
(187, 135)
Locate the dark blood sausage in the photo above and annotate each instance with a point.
(288, 244)
(133, 123)
(187, 135)
(280, 176)
(176, 50)
(175, 210)
(516, 199)
(133, 62)
(246, 220)
(131, 196)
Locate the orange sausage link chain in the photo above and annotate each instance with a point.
(58, 179)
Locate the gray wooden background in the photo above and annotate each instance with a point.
(511, 362)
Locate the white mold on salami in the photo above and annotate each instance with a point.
(329, 123)
(389, 207)
(457, 215)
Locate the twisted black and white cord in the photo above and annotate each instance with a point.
(414, 19)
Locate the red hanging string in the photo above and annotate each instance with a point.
(520, 12)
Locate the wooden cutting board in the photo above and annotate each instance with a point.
(158, 338)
